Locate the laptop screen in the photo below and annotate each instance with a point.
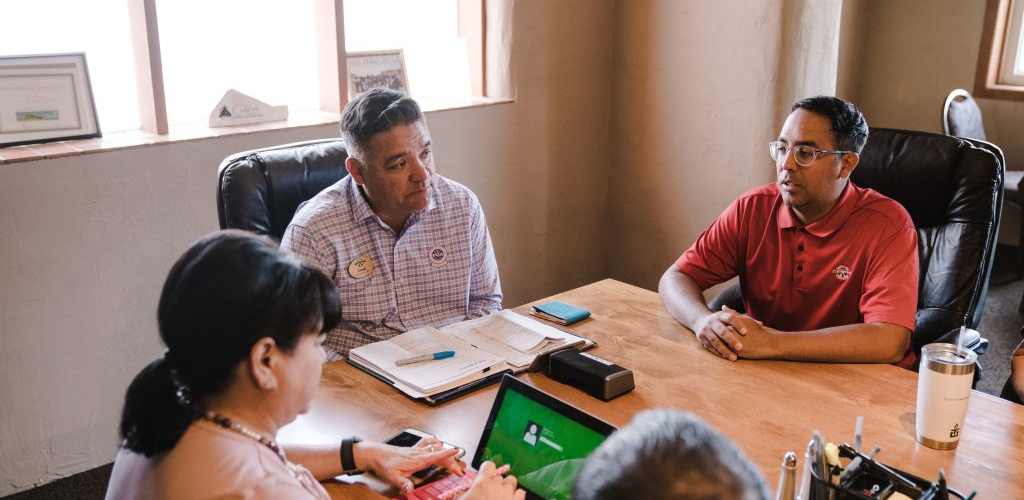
(543, 439)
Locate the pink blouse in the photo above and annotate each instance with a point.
(211, 462)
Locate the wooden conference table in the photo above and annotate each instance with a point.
(768, 407)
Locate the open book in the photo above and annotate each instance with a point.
(484, 347)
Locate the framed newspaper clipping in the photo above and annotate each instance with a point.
(45, 98)
(370, 70)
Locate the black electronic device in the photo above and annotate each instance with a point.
(544, 439)
(594, 375)
(408, 438)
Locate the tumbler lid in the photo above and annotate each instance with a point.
(944, 358)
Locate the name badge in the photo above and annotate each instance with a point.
(438, 256)
(361, 267)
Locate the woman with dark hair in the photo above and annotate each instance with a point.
(244, 325)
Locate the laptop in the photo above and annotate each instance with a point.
(543, 439)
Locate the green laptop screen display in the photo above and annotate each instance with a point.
(544, 448)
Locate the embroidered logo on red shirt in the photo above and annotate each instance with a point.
(842, 272)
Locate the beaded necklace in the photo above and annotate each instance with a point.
(226, 423)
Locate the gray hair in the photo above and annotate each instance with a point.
(668, 454)
(373, 112)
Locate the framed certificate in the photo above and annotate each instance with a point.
(45, 98)
(370, 70)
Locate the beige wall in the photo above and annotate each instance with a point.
(540, 166)
(901, 59)
(87, 241)
(701, 88)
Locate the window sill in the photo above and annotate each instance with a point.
(138, 139)
(1000, 91)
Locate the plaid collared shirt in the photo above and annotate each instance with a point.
(438, 270)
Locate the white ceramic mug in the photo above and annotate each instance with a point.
(943, 391)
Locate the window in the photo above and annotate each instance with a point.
(190, 52)
(1000, 73)
(263, 48)
(100, 29)
(1011, 69)
(436, 57)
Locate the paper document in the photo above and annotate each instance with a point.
(427, 376)
(511, 329)
(515, 337)
(486, 345)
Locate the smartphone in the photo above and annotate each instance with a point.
(410, 437)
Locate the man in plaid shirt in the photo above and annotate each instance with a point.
(406, 247)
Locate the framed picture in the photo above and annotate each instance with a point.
(45, 98)
(370, 70)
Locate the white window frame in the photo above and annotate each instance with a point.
(1001, 42)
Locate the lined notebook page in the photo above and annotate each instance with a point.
(508, 328)
(517, 338)
(426, 376)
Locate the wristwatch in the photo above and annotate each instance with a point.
(348, 460)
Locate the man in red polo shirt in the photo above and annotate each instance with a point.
(828, 270)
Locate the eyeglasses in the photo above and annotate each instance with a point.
(803, 155)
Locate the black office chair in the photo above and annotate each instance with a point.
(961, 117)
(259, 190)
(952, 188)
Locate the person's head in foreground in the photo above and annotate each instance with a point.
(817, 149)
(390, 157)
(667, 454)
(243, 323)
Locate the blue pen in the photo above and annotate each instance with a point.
(425, 357)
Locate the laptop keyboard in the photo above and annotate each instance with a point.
(446, 488)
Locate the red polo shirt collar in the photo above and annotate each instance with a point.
(828, 224)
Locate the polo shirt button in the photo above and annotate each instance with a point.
(799, 268)
(800, 248)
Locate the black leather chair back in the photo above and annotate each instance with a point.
(259, 190)
(953, 189)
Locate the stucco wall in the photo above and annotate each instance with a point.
(86, 241)
(899, 61)
(701, 88)
(902, 58)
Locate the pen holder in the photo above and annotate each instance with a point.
(870, 483)
(875, 481)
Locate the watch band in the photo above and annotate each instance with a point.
(348, 460)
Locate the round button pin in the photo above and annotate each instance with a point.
(361, 267)
(438, 256)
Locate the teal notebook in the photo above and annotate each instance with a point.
(560, 312)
